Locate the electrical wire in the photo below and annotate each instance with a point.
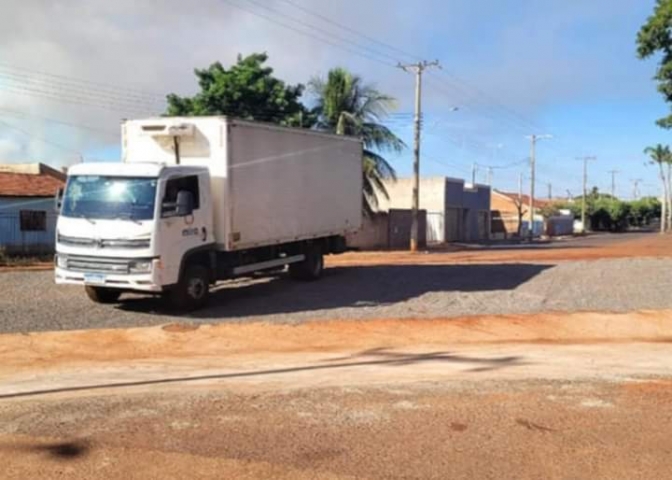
(41, 139)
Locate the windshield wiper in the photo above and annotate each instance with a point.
(127, 216)
(90, 220)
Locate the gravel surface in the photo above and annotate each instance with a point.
(483, 430)
(31, 302)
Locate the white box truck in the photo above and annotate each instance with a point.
(202, 199)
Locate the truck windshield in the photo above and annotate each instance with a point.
(94, 197)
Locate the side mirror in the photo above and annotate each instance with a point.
(185, 203)
(58, 200)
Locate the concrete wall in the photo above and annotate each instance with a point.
(373, 235)
(560, 225)
(400, 229)
(432, 194)
(12, 239)
(388, 230)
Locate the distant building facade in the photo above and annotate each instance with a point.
(456, 211)
(27, 216)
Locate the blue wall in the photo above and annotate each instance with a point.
(12, 238)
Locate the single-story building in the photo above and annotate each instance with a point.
(27, 215)
(456, 212)
(506, 209)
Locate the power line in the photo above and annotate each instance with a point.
(25, 81)
(322, 31)
(16, 113)
(351, 30)
(130, 90)
(397, 50)
(303, 32)
(357, 45)
(43, 140)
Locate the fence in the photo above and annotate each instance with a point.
(37, 239)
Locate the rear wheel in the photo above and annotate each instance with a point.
(192, 292)
(310, 268)
(102, 295)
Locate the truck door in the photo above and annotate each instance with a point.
(179, 234)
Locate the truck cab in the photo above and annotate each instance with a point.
(128, 227)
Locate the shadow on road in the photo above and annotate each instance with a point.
(58, 451)
(375, 357)
(354, 287)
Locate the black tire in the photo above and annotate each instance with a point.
(193, 290)
(310, 268)
(102, 295)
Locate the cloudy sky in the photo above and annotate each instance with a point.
(71, 70)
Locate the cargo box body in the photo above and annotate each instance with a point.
(269, 185)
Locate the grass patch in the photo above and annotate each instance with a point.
(22, 260)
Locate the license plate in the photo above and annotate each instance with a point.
(94, 279)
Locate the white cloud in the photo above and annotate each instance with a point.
(513, 52)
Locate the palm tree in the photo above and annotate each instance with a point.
(347, 106)
(661, 155)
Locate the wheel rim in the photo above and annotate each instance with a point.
(196, 288)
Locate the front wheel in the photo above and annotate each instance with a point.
(192, 292)
(102, 295)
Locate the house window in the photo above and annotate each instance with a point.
(33, 220)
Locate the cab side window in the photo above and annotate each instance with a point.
(174, 185)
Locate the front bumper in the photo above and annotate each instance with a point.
(141, 282)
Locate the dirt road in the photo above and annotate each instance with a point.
(374, 372)
(384, 285)
(551, 396)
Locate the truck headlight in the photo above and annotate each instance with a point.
(140, 266)
(61, 261)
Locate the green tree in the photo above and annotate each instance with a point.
(248, 90)
(345, 105)
(661, 156)
(655, 36)
(644, 210)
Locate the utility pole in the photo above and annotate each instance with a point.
(585, 190)
(635, 188)
(550, 192)
(417, 69)
(613, 181)
(520, 188)
(490, 176)
(533, 160)
(474, 172)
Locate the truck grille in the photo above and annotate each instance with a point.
(106, 243)
(98, 265)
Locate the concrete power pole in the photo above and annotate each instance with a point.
(533, 161)
(417, 69)
(550, 192)
(474, 172)
(585, 190)
(635, 188)
(613, 181)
